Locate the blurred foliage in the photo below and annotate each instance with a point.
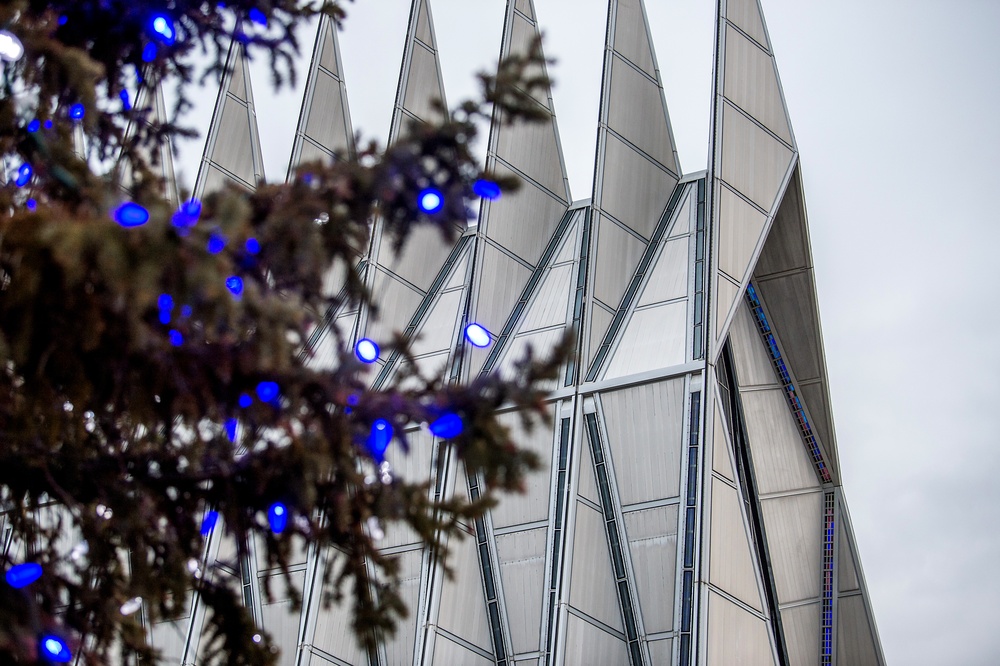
(117, 404)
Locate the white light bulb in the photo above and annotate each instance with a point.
(11, 48)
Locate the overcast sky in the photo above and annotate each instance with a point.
(894, 107)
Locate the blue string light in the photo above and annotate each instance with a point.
(176, 338)
(24, 174)
(31, 204)
(487, 189)
(448, 426)
(163, 29)
(277, 516)
(126, 103)
(430, 200)
(22, 575)
(378, 440)
(478, 335)
(245, 400)
(231, 429)
(253, 246)
(366, 350)
(208, 522)
(149, 52)
(76, 111)
(55, 649)
(131, 214)
(187, 214)
(258, 17)
(185, 310)
(34, 126)
(216, 244)
(234, 283)
(165, 303)
(48, 124)
(267, 391)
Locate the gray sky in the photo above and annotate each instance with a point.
(893, 107)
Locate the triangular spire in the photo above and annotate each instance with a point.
(149, 100)
(753, 152)
(232, 151)
(420, 81)
(324, 127)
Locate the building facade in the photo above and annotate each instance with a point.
(691, 509)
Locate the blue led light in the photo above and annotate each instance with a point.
(234, 283)
(176, 338)
(185, 310)
(165, 302)
(34, 125)
(378, 440)
(76, 111)
(253, 246)
(163, 28)
(22, 575)
(487, 189)
(230, 426)
(31, 204)
(277, 516)
(258, 17)
(267, 391)
(164, 317)
(245, 400)
(448, 425)
(24, 174)
(216, 244)
(366, 350)
(131, 214)
(62, 20)
(149, 52)
(208, 522)
(187, 215)
(48, 124)
(430, 200)
(55, 649)
(478, 335)
(126, 103)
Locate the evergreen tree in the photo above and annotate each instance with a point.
(156, 386)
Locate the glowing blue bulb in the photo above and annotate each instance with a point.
(31, 204)
(163, 28)
(165, 302)
(231, 429)
(448, 425)
(258, 17)
(277, 516)
(126, 103)
(185, 310)
(76, 111)
(62, 20)
(55, 649)
(378, 440)
(164, 316)
(34, 126)
(245, 400)
(22, 575)
(487, 189)
(267, 391)
(149, 52)
(48, 124)
(366, 350)
(478, 335)
(208, 522)
(176, 338)
(430, 200)
(187, 215)
(24, 174)
(131, 214)
(253, 246)
(234, 284)
(216, 244)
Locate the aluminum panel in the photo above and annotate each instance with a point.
(587, 485)
(463, 602)
(753, 161)
(753, 363)
(780, 459)
(419, 259)
(522, 569)
(329, 57)
(325, 121)
(684, 218)
(588, 644)
(669, 277)
(522, 33)
(449, 653)
(618, 254)
(787, 246)
(646, 451)
(424, 31)
(725, 295)
(526, 7)
(533, 149)
(233, 148)
(423, 84)
(800, 625)
(541, 343)
(310, 153)
(652, 541)
(817, 401)
(281, 620)
(523, 221)
(746, 15)
(600, 320)
(459, 274)
(396, 304)
(751, 82)
(592, 584)
(661, 652)
(412, 467)
(654, 338)
(637, 112)
(847, 568)
(551, 303)
(438, 330)
(855, 643)
(794, 529)
(731, 559)
(399, 648)
(500, 283)
(334, 635)
(740, 229)
(532, 504)
(635, 190)
(238, 77)
(735, 636)
(570, 250)
(632, 35)
(168, 638)
(721, 460)
(794, 315)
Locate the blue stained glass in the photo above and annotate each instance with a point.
(176, 337)
(149, 52)
(24, 174)
(34, 126)
(245, 400)
(216, 244)
(231, 429)
(76, 111)
(430, 200)
(131, 214)
(55, 649)
(378, 440)
(234, 283)
(448, 425)
(277, 516)
(22, 575)
(253, 246)
(487, 189)
(267, 391)
(208, 522)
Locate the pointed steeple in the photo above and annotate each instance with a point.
(420, 81)
(149, 99)
(232, 151)
(324, 126)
